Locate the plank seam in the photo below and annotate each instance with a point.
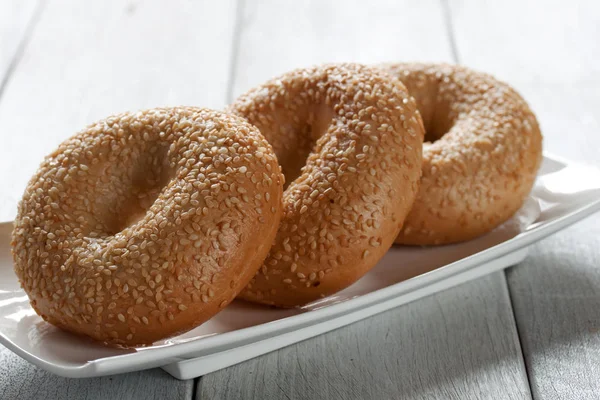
(450, 30)
(235, 46)
(18, 55)
(519, 335)
(195, 388)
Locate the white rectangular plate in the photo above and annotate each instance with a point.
(564, 193)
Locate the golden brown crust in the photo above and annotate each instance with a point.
(146, 224)
(486, 150)
(349, 140)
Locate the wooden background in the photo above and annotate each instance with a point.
(529, 332)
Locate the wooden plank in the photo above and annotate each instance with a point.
(280, 36)
(556, 302)
(16, 19)
(423, 350)
(549, 54)
(448, 346)
(87, 61)
(23, 381)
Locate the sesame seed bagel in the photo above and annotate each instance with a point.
(146, 224)
(482, 152)
(349, 141)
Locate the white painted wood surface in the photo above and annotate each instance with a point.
(87, 60)
(277, 36)
(550, 54)
(555, 63)
(16, 18)
(76, 62)
(22, 381)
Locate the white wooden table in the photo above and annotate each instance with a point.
(532, 332)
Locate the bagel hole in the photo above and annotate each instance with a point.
(293, 159)
(436, 118)
(134, 188)
(435, 130)
(303, 138)
(432, 137)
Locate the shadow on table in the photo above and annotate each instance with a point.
(439, 345)
(23, 381)
(556, 300)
